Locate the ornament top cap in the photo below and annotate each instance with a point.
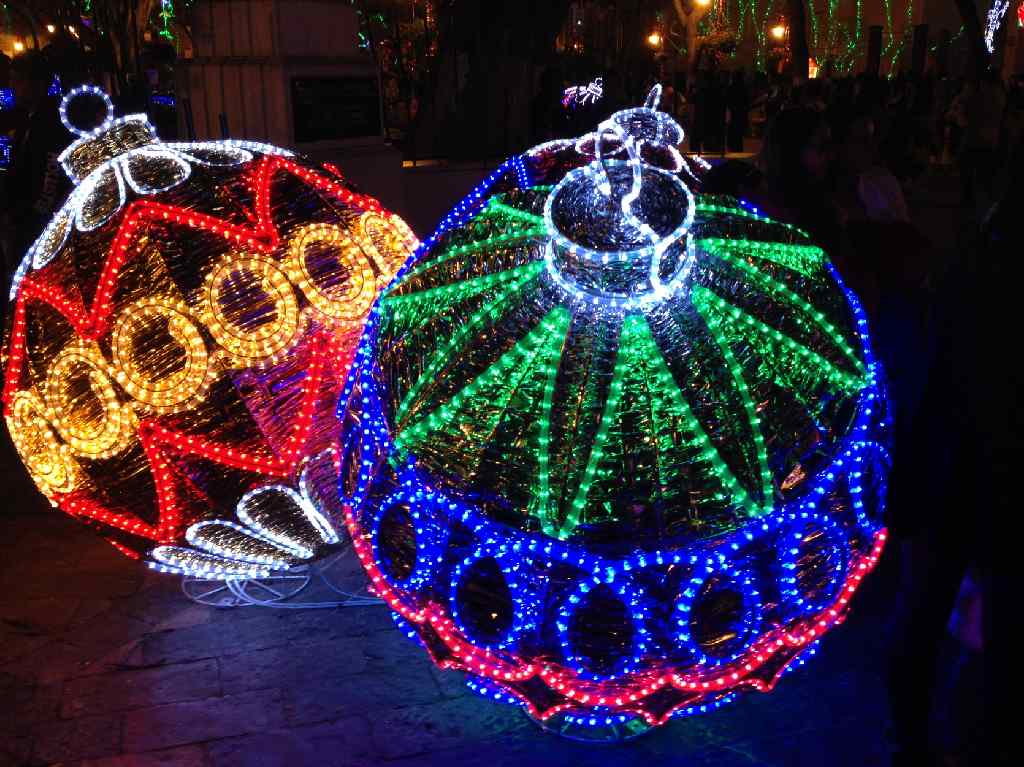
(116, 157)
(622, 212)
(103, 142)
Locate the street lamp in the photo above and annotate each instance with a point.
(51, 28)
(654, 39)
(779, 31)
(18, 46)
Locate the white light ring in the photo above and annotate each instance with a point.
(87, 90)
(620, 303)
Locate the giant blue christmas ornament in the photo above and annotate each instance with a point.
(613, 448)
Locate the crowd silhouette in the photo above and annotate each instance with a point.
(843, 158)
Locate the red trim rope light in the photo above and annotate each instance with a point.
(158, 441)
(628, 694)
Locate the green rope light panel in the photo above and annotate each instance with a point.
(614, 448)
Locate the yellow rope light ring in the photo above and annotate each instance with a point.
(350, 305)
(171, 392)
(49, 462)
(115, 431)
(397, 235)
(242, 345)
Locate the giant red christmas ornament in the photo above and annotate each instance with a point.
(176, 340)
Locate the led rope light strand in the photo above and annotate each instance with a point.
(541, 494)
(780, 289)
(812, 15)
(525, 604)
(88, 91)
(789, 551)
(993, 21)
(551, 712)
(475, 321)
(173, 391)
(891, 41)
(490, 665)
(794, 356)
(751, 608)
(518, 359)
(93, 323)
(767, 484)
(900, 43)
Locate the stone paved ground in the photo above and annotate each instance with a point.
(104, 664)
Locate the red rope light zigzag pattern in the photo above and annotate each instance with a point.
(92, 323)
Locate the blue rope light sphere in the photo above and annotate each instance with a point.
(614, 448)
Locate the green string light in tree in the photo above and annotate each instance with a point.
(812, 13)
(166, 14)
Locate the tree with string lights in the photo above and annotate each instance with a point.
(118, 30)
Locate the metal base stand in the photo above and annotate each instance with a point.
(303, 587)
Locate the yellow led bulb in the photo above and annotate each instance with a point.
(144, 374)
